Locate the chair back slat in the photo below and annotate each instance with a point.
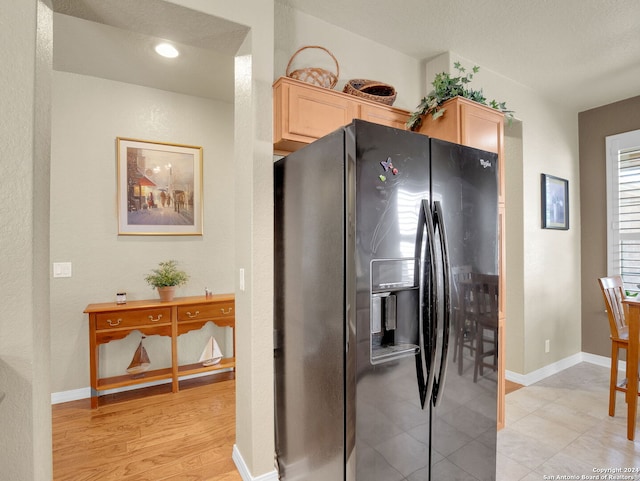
(613, 293)
(481, 296)
(461, 274)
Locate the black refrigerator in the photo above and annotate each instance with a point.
(385, 356)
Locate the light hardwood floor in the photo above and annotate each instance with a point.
(558, 426)
(511, 386)
(186, 436)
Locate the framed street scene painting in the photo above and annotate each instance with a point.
(159, 188)
(555, 202)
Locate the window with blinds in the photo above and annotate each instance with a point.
(623, 181)
(629, 217)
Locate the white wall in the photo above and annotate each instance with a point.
(88, 114)
(539, 291)
(253, 206)
(25, 411)
(26, 443)
(514, 227)
(551, 258)
(358, 57)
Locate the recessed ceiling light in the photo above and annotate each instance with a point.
(167, 50)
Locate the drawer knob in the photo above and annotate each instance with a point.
(155, 320)
(226, 311)
(112, 323)
(195, 314)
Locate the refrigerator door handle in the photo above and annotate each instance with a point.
(428, 325)
(439, 382)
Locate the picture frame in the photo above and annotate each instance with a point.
(555, 202)
(159, 188)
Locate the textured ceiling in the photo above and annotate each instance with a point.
(583, 53)
(580, 53)
(156, 18)
(114, 39)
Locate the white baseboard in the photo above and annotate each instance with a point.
(85, 392)
(546, 371)
(524, 379)
(244, 470)
(561, 365)
(72, 395)
(602, 361)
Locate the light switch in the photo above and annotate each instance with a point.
(241, 279)
(62, 269)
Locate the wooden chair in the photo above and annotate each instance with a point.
(463, 324)
(486, 302)
(613, 293)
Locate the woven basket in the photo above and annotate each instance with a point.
(314, 75)
(371, 90)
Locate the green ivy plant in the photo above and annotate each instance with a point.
(446, 87)
(167, 274)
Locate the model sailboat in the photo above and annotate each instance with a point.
(140, 362)
(211, 354)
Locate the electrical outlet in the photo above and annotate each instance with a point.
(547, 346)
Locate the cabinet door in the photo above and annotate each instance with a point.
(446, 127)
(503, 261)
(483, 128)
(384, 116)
(314, 114)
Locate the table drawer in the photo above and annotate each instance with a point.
(143, 317)
(219, 310)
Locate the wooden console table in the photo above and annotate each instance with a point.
(110, 321)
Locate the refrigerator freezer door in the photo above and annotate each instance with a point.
(391, 428)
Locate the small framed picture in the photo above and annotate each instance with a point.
(159, 188)
(555, 202)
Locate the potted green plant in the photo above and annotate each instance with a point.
(446, 87)
(166, 278)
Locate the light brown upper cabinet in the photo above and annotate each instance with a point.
(303, 113)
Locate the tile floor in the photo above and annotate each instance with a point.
(559, 428)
